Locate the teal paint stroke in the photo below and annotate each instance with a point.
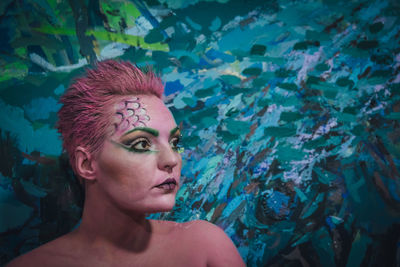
(233, 204)
(40, 108)
(44, 139)
(359, 247)
(17, 212)
(215, 24)
(193, 24)
(321, 239)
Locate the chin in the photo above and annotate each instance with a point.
(162, 204)
(166, 206)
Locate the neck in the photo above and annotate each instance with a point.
(104, 224)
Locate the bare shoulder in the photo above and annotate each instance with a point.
(204, 229)
(45, 255)
(36, 257)
(219, 247)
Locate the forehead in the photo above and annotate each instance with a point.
(141, 111)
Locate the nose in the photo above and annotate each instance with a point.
(168, 159)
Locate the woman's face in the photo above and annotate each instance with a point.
(139, 166)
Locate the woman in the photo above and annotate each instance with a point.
(123, 144)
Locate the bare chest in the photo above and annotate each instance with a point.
(163, 258)
(174, 253)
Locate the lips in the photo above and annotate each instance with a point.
(168, 184)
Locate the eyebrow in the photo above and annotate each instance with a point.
(144, 129)
(173, 131)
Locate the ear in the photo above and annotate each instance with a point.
(85, 163)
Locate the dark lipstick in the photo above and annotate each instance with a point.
(168, 184)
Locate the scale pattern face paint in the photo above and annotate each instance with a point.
(130, 114)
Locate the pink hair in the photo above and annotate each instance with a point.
(86, 115)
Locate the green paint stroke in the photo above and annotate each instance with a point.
(346, 117)
(252, 71)
(275, 60)
(127, 39)
(191, 141)
(206, 92)
(258, 50)
(287, 153)
(196, 118)
(190, 101)
(227, 136)
(288, 86)
(154, 36)
(136, 41)
(318, 142)
(230, 79)
(237, 127)
(280, 131)
(117, 11)
(209, 121)
(290, 116)
(13, 70)
(322, 67)
(329, 90)
(345, 81)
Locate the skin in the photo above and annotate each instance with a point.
(121, 188)
(130, 113)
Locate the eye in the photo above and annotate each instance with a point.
(175, 144)
(140, 145)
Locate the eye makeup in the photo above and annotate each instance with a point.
(175, 145)
(175, 137)
(138, 145)
(151, 131)
(143, 144)
(139, 140)
(173, 131)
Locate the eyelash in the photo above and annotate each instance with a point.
(138, 141)
(175, 145)
(174, 142)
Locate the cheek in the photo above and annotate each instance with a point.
(179, 166)
(124, 171)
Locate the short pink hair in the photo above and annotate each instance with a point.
(86, 115)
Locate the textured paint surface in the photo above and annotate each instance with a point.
(290, 113)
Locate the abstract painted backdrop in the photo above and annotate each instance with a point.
(290, 111)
